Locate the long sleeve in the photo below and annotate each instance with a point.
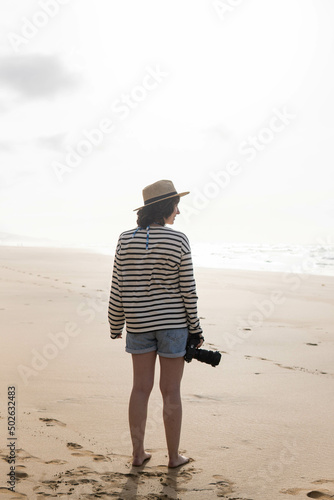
(116, 314)
(188, 292)
(153, 286)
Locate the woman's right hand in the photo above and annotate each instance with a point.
(200, 343)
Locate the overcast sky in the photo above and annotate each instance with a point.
(231, 100)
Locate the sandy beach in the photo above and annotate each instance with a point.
(257, 427)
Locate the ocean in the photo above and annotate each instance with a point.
(304, 259)
(300, 259)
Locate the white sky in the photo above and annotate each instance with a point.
(222, 78)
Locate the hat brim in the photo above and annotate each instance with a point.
(167, 197)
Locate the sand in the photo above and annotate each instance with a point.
(259, 426)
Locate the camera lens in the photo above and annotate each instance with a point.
(209, 357)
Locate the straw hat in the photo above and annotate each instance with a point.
(160, 190)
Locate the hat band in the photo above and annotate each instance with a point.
(161, 197)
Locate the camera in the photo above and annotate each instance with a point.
(210, 357)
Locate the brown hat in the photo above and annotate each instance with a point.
(160, 190)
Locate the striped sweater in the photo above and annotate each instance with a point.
(153, 285)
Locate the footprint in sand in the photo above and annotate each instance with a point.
(52, 421)
(24, 455)
(310, 494)
(86, 453)
(74, 446)
(223, 486)
(56, 461)
(177, 480)
(319, 494)
(20, 475)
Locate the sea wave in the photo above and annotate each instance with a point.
(306, 259)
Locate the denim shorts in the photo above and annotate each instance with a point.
(169, 343)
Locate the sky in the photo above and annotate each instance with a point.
(232, 100)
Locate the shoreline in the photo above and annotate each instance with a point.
(98, 251)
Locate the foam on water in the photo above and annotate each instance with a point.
(309, 259)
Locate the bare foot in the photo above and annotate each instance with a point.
(181, 460)
(138, 461)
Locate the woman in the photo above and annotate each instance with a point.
(153, 291)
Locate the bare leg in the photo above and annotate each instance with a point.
(143, 379)
(170, 380)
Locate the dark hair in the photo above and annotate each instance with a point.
(157, 212)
